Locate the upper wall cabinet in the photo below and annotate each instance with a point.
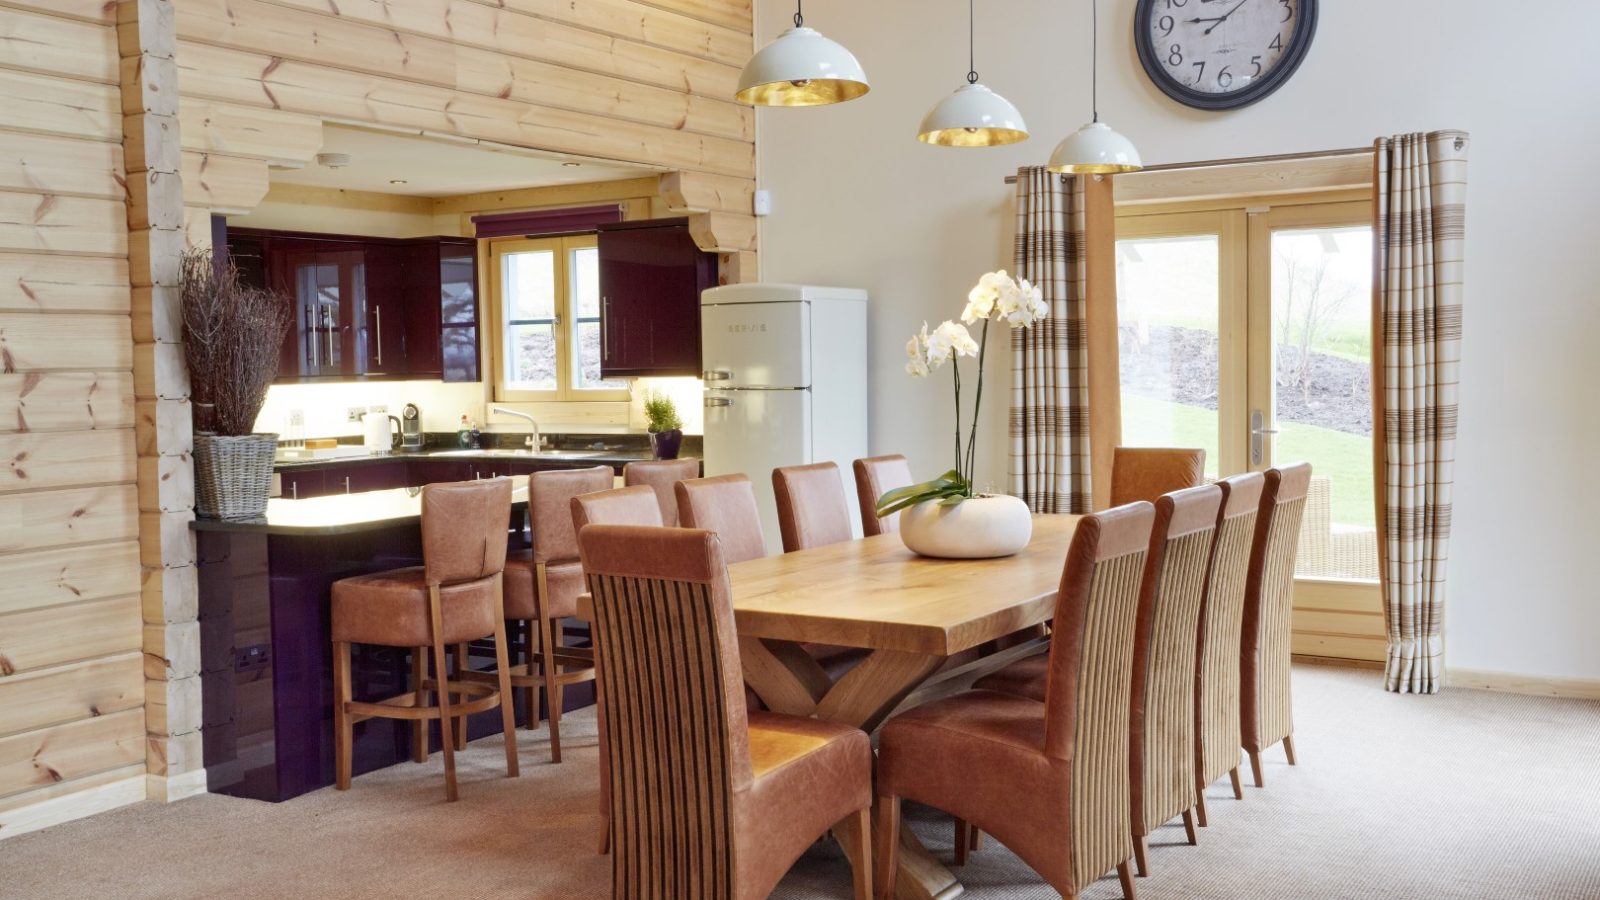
(651, 276)
(368, 307)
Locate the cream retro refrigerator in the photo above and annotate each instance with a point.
(785, 383)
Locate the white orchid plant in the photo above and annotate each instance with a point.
(996, 297)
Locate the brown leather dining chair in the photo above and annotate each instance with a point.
(1161, 726)
(1265, 714)
(1145, 473)
(876, 476)
(1216, 708)
(812, 509)
(542, 588)
(660, 475)
(710, 801)
(1049, 780)
(455, 596)
(725, 504)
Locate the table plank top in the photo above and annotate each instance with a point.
(875, 593)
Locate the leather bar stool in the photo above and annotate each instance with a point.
(660, 475)
(542, 588)
(1265, 715)
(710, 800)
(1145, 473)
(455, 596)
(876, 476)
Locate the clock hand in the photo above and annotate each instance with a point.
(1220, 19)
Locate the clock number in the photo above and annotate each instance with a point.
(1224, 78)
(1177, 3)
(1255, 61)
(1175, 55)
(1277, 42)
(1201, 65)
(1288, 11)
(1165, 24)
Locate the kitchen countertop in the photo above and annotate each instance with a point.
(588, 457)
(342, 513)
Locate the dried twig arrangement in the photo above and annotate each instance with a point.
(232, 336)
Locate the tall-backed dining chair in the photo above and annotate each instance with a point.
(1161, 731)
(455, 596)
(1265, 713)
(725, 504)
(542, 588)
(1216, 708)
(876, 476)
(634, 505)
(1145, 473)
(710, 801)
(1049, 780)
(660, 475)
(812, 509)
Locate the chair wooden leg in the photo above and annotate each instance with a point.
(419, 727)
(1288, 749)
(461, 672)
(552, 684)
(530, 696)
(1141, 849)
(885, 852)
(1255, 768)
(1200, 807)
(342, 734)
(977, 839)
(441, 669)
(1125, 873)
(863, 868)
(1238, 788)
(502, 665)
(1188, 826)
(963, 841)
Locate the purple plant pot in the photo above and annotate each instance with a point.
(666, 443)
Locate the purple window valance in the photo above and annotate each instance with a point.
(546, 221)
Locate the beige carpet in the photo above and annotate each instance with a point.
(1466, 794)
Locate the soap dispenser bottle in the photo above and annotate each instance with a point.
(463, 435)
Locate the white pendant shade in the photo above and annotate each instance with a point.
(1095, 149)
(973, 116)
(801, 68)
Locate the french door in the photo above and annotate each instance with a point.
(1246, 330)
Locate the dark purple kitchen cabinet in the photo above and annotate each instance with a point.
(302, 484)
(651, 276)
(387, 313)
(375, 476)
(442, 308)
(329, 287)
(434, 471)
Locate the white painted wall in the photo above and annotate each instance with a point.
(859, 201)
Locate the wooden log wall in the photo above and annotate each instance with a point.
(72, 694)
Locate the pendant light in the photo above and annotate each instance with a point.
(973, 116)
(1095, 149)
(801, 68)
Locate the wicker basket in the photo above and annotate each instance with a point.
(233, 475)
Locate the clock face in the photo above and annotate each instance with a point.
(1222, 54)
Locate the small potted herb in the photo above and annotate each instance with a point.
(666, 429)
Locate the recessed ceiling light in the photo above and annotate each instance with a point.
(397, 181)
(572, 165)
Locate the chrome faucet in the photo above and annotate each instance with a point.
(533, 441)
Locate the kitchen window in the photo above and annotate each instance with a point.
(545, 294)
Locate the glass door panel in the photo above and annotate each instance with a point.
(528, 289)
(583, 277)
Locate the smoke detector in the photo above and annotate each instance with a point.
(333, 160)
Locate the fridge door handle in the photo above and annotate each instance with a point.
(715, 402)
(716, 375)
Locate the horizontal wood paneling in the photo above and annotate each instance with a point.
(44, 578)
(736, 14)
(45, 697)
(703, 192)
(222, 183)
(37, 519)
(50, 636)
(43, 283)
(1336, 646)
(36, 461)
(268, 134)
(65, 401)
(70, 751)
(47, 164)
(55, 105)
(47, 222)
(58, 46)
(42, 342)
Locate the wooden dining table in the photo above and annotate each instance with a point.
(922, 620)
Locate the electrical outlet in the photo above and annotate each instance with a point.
(354, 413)
(380, 408)
(297, 418)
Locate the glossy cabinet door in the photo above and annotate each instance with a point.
(651, 276)
(383, 331)
(441, 276)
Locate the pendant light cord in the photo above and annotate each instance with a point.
(1094, 57)
(972, 43)
(798, 18)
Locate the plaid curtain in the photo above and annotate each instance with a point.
(1421, 182)
(1049, 362)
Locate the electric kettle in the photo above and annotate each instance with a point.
(381, 432)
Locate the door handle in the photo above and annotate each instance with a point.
(1258, 433)
(714, 402)
(716, 375)
(605, 328)
(377, 316)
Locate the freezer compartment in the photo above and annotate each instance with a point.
(756, 344)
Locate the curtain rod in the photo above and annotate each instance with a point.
(1242, 160)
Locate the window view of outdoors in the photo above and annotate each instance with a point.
(1167, 316)
(1322, 336)
(528, 284)
(584, 277)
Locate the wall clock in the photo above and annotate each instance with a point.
(1222, 54)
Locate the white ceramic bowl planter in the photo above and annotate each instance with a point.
(980, 528)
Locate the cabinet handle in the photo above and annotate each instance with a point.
(316, 342)
(377, 314)
(294, 490)
(347, 484)
(605, 328)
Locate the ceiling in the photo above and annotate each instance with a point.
(438, 167)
